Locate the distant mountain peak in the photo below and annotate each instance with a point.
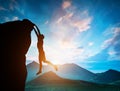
(50, 72)
(108, 76)
(72, 65)
(112, 70)
(32, 64)
(50, 75)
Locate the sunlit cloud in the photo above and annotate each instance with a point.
(64, 30)
(78, 24)
(60, 55)
(66, 18)
(59, 20)
(66, 4)
(83, 25)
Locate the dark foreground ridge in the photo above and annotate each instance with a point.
(50, 81)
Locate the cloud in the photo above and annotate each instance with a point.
(65, 18)
(65, 28)
(59, 20)
(111, 53)
(2, 8)
(83, 25)
(15, 18)
(79, 24)
(66, 4)
(114, 41)
(13, 4)
(46, 22)
(61, 55)
(90, 44)
(100, 56)
(111, 46)
(107, 43)
(6, 19)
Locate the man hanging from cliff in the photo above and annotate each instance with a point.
(15, 38)
(42, 57)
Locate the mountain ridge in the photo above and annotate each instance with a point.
(50, 81)
(74, 72)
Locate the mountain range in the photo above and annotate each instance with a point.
(74, 72)
(50, 81)
(108, 76)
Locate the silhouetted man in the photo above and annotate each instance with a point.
(15, 38)
(42, 57)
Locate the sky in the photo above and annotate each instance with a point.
(84, 32)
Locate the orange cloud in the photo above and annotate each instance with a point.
(66, 4)
(83, 25)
